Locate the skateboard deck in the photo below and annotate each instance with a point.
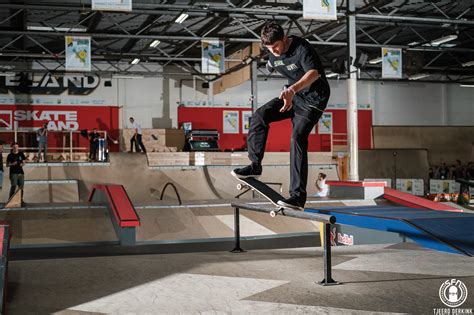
(264, 190)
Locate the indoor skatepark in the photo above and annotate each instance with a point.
(100, 226)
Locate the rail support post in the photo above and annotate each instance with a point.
(237, 248)
(328, 280)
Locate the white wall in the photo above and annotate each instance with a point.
(154, 101)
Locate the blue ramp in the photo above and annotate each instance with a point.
(451, 232)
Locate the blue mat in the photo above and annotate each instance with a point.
(441, 230)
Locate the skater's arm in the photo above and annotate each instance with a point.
(305, 81)
(308, 79)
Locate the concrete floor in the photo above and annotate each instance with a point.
(399, 278)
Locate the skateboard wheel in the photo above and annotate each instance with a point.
(273, 214)
(240, 186)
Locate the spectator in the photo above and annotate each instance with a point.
(42, 137)
(459, 171)
(321, 186)
(443, 171)
(15, 161)
(1, 166)
(431, 173)
(137, 137)
(470, 170)
(94, 144)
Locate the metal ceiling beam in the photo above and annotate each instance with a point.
(412, 19)
(231, 40)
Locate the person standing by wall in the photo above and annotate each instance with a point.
(42, 137)
(137, 137)
(1, 166)
(93, 144)
(15, 161)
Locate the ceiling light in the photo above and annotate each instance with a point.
(441, 40)
(375, 61)
(181, 18)
(55, 29)
(331, 74)
(155, 43)
(120, 76)
(135, 61)
(413, 43)
(418, 76)
(467, 85)
(468, 64)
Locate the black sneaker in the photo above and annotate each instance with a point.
(292, 202)
(252, 170)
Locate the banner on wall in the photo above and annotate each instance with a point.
(440, 186)
(78, 53)
(246, 121)
(391, 63)
(213, 56)
(411, 186)
(13, 117)
(230, 121)
(320, 9)
(112, 5)
(325, 124)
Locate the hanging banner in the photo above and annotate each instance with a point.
(112, 5)
(325, 124)
(391, 63)
(246, 121)
(78, 53)
(230, 121)
(212, 56)
(411, 186)
(320, 9)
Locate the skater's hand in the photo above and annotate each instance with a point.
(287, 97)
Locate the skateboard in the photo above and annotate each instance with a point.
(264, 190)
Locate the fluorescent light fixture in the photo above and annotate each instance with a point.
(418, 76)
(181, 18)
(467, 85)
(441, 40)
(155, 43)
(55, 29)
(331, 74)
(413, 43)
(375, 61)
(120, 76)
(135, 61)
(468, 64)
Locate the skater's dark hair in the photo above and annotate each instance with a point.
(271, 33)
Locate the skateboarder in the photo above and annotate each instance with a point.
(303, 101)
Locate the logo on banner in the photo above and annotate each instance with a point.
(6, 119)
(49, 84)
(57, 119)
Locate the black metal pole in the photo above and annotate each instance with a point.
(237, 248)
(327, 257)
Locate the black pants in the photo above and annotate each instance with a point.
(136, 141)
(93, 151)
(303, 119)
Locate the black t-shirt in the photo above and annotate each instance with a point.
(299, 59)
(16, 157)
(93, 136)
